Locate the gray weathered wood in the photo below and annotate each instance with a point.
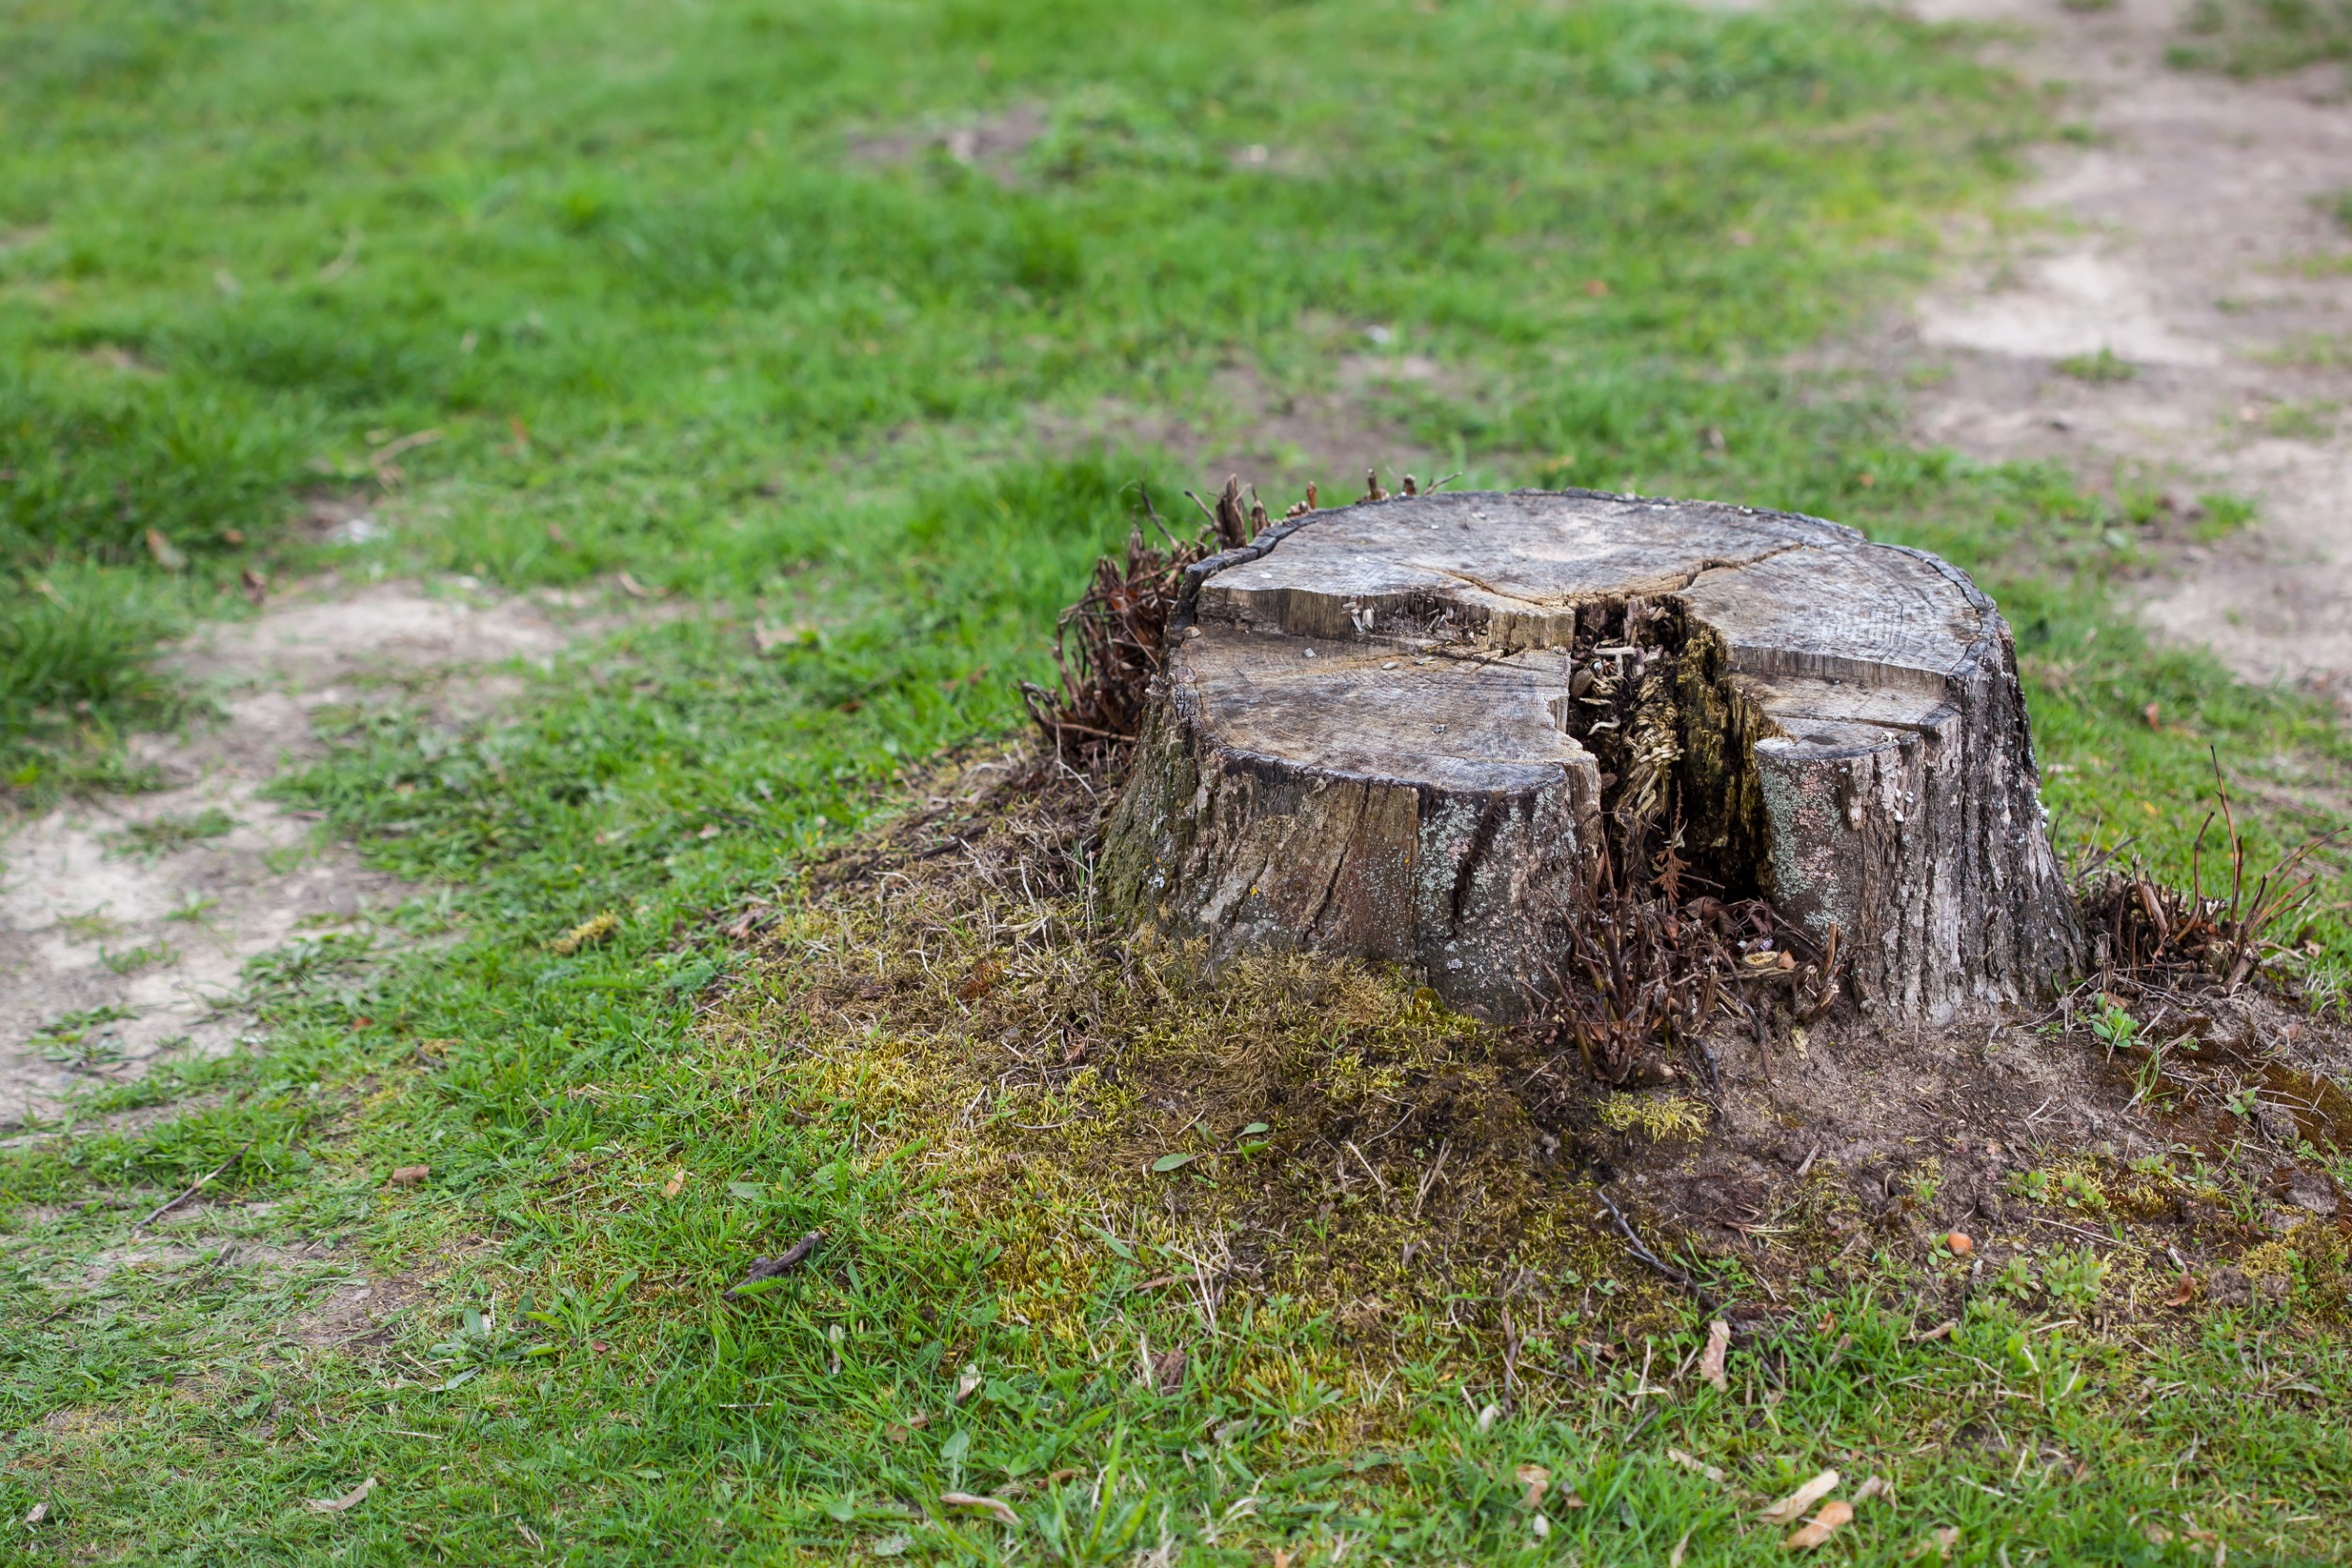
(1362, 745)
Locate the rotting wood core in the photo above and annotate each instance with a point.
(1370, 739)
(1651, 698)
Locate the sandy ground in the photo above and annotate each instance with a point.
(2185, 232)
(91, 922)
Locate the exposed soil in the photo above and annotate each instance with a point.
(125, 921)
(2191, 240)
(1330, 432)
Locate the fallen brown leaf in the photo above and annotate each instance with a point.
(1822, 1526)
(1535, 1478)
(980, 981)
(1004, 1511)
(1674, 1558)
(1801, 1499)
(1168, 1372)
(352, 1498)
(1710, 1360)
(677, 1183)
(2184, 1293)
(408, 1175)
(1946, 1539)
(1572, 1499)
(1942, 1331)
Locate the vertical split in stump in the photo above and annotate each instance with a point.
(1430, 730)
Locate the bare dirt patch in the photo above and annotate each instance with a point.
(2181, 321)
(1329, 431)
(992, 143)
(126, 922)
(364, 1309)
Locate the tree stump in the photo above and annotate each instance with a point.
(1433, 730)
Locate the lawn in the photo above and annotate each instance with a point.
(847, 332)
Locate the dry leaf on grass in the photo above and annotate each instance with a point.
(1002, 1509)
(1823, 1525)
(1693, 1462)
(1801, 1499)
(2184, 1293)
(1942, 1331)
(1710, 1360)
(408, 1175)
(352, 1498)
(1876, 1486)
(1946, 1539)
(1674, 1558)
(40, 1511)
(677, 1183)
(1535, 1478)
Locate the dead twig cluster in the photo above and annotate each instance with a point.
(1111, 644)
(2145, 930)
(1646, 975)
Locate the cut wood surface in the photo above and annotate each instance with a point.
(1429, 729)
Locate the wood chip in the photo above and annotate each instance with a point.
(1801, 1499)
(1002, 1509)
(790, 1258)
(1822, 1526)
(352, 1498)
(1710, 1360)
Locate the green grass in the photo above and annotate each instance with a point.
(673, 312)
(2257, 38)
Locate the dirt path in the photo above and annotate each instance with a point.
(125, 922)
(2191, 236)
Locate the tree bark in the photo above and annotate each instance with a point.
(1430, 730)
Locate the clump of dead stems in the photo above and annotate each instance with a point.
(2150, 931)
(1644, 975)
(1113, 643)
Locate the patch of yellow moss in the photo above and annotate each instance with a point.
(1660, 1118)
